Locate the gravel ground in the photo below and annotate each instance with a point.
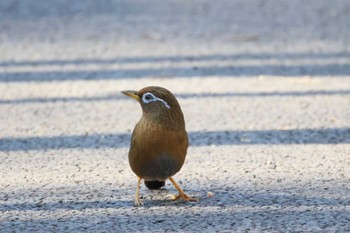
(264, 86)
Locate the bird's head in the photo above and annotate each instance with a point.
(157, 102)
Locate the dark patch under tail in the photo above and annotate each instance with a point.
(154, 184)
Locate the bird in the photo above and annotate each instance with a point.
(159, 141)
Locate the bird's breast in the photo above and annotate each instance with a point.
(157, 152)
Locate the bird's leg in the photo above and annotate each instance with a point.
(181, 194)
(137, 200)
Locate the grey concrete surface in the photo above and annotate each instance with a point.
(264, 86)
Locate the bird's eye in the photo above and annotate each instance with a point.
(148, 97)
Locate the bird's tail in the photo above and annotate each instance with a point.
(154, 184)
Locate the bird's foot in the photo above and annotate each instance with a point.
(183, 196)
(137, 201)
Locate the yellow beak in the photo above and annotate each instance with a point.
(132, 94)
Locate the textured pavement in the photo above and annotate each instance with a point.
(264, 87)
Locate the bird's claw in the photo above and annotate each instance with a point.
(184, 197)
(138, 202)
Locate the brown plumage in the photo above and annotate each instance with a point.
(159, 141)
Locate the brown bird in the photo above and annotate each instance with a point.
(159, 141)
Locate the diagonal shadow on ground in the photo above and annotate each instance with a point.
(180, 96)
(176, 59)
(220, 199)
(239, 71)
(199, 138)
(152, 221)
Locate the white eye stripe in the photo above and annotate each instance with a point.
(149, 97)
